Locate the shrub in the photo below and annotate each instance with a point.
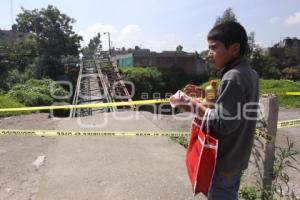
(145, 79)
(248, 193)
(30, 98)
(36, 92)
(6, 102)
(285, 158)
(2, 92)
(292, 73)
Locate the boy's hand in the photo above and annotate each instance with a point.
(193, 90)
(191, 106)
(186, 107)
(198, 106)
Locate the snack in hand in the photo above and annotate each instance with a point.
(193, 91)
(179, 98)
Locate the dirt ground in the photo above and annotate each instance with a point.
(104, 168)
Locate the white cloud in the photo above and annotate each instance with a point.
(293, 19)
(273, 20)
(92, 31)
(132, 35)
(129, 36)
(130, 29)
(126, 36)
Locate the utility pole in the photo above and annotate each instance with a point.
(109, 50)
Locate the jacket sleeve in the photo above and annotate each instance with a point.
(227, 115)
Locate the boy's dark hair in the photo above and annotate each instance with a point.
(229, 33)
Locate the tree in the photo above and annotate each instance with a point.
(291, 57)
(145, 79)
(3, 74)
(228, 15)
(179, 48)
(22, 52)
(93, 47)
(52, 29)
(251, 44)
(54, 37)
(270, 70)
(257, 60)
(292, 73)
(210, 70)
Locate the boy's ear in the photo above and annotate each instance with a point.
(235, 48)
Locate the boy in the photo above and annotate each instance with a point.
(229, 121)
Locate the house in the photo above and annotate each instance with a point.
(8, 36)
(191, 63)
(279, 50)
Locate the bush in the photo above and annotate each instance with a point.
(36, 92)
(182, 140)
(145, 79)
(248, 193)
(292, 73)
(2, 92)
(30, 98)
(152, 80)
(285, 158)
(6, 102)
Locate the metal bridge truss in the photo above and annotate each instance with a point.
(99, 82)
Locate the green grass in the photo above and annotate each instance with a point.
(6, 102)
(183, 141)
(279, 87)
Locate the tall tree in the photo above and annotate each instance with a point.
(93, 47)
(251, 44)
(54, 35)
(52, 29)
(228, 15)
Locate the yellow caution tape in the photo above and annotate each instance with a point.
(288, 123)
(51, 133)
(94, 105)
(99, 105)
(282, 93)
(259, 133)
(265, 136)
(280, 124)
(5, 132)
(292, 93)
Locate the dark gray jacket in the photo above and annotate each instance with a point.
(235, 130)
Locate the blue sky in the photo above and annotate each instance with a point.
(164, 24)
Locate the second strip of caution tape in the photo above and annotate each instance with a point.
(51, 133)
(288, 123)
(5, 132)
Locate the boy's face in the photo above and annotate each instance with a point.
(219, 55)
